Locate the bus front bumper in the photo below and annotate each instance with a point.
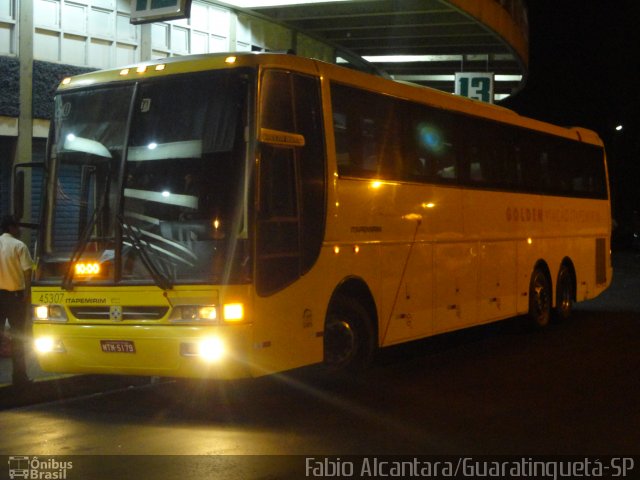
(157, 350)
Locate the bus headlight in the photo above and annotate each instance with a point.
(230, 312)
(52, 313)
(41, 312)
(44, 345)
(207, 313)
(211, 349)
(194, 313)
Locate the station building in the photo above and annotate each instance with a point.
(420, 41)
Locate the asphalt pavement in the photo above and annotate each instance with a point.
(46, 387)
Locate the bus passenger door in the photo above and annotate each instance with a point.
(289, 221)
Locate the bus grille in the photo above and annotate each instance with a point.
(128, 313)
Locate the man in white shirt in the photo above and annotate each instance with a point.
(15, 293)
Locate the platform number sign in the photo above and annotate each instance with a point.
(476, 85)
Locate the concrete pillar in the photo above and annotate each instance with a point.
(233, 31)
(25, 117)
(145, 42)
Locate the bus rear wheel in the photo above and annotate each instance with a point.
(539, 299)
(564, 294)
(349, 342)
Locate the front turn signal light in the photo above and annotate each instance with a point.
(233, 312)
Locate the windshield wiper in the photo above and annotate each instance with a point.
(67, 280)
(103, 159)
(160, 280)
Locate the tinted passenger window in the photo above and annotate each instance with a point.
(276, 107)
(378, 136)
(434, 143)
(381, 137)
(363, 124)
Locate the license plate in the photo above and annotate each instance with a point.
(117, 346)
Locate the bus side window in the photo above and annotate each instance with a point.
(589, 177)
(359, 128)
(486, 155)
(276, 98)
(429, 151)
(340, 133)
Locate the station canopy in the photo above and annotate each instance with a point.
(421, 41)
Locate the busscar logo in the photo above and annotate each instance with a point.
(38, 469)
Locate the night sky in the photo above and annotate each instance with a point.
(584, 70)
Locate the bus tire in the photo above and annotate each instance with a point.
(349, 342)
(539, 299)
(564, 294)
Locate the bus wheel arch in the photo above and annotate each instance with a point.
(350, 329)
(540, 296)
(566, 288)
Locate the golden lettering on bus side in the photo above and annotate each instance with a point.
(524, 214)
(537, 215)
(572, 215)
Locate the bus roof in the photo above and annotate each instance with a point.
(407, 91)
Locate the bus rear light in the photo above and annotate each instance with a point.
(46, 345)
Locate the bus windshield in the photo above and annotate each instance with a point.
(147, 183)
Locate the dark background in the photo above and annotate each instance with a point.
(584, 70)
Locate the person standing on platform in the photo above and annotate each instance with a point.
(15, 293)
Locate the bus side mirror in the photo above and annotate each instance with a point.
(21, 188)
(18, 194)
(280, 138)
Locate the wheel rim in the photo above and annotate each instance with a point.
(340, 343)
(541, 301)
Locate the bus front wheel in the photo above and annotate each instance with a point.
(539, 299)
(349, 342)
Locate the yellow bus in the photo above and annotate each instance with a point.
(225, 216)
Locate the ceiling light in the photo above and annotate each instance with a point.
(273, 3)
